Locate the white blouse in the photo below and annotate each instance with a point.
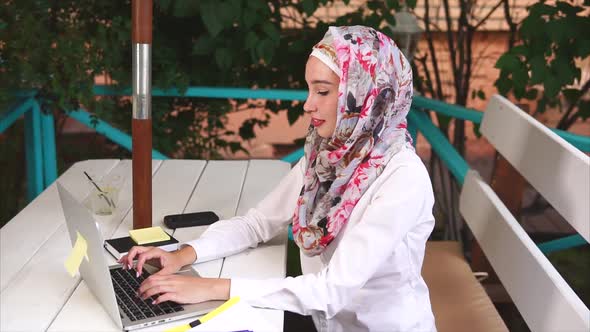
(369, 278)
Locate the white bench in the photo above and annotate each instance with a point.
(561, 173)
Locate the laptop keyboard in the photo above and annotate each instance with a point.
(126, 285)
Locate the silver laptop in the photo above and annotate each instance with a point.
(114, 287)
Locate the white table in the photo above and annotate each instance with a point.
(38, 294)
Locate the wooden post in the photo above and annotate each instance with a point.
(141, 13)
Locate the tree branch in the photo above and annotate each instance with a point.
(511, 24)
(432, 51)
(429, 86)
(566, 121)
(450, 40)
(482, 21)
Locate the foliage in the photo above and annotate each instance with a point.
(60, 47)
(545, 64)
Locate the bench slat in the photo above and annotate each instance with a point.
(545, 300)
(559, 171)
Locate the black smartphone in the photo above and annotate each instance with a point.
(190, 219)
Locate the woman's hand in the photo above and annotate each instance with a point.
(169, 262)
(184, 289)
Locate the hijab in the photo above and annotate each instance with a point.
(374, 97)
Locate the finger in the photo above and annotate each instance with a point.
(150, 282)
(127, 260)
(148, 254)
(167, 297)
(159, 289)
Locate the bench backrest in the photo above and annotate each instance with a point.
(561, 173)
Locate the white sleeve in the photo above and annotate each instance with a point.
(403, 201)
(260, 224)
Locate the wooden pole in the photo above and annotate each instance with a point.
(142, 113)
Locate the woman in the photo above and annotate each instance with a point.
(361, 197)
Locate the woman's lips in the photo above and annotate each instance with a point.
(316, 122)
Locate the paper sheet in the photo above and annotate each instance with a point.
(79, 252)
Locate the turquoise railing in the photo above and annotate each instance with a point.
(40, 154)
(40, 135)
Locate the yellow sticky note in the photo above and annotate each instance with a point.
(149, 235)
(79, 251)
(179, 328)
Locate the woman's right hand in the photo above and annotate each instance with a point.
(169, 262)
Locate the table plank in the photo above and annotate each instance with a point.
(274, 252)
(42, 286)
(173, 182)
(38, 221)
(261, 176)
(221, 198)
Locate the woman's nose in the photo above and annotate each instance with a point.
(308, 106)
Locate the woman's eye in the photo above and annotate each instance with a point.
(323, 93)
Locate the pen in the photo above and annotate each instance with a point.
(207, 317)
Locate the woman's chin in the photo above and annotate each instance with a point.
(323, 132)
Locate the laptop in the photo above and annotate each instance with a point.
(115, 288)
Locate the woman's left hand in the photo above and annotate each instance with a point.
(184, 289)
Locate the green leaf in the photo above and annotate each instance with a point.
(476, 130)
(571, 95)
(583, 47)
(503, 83)
(481, 95)
(251, 40)
(508, 62)
(538, 69)
(542, 105)
(250, 18)
(520, 50)
(309, 7)
(520, 77)
(292, 115)
(256, 4)
(185, 8)
(223, 58)
(266, 50)
(584, 109)
(271, 31)
(411, 3)
(203, 45)
(532, 26)
(562, 68)
(559, 30)
(210, 19)
(551, 87)
(247, 130)
(568, 9)
(531, 94)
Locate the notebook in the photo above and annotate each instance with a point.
(120, 246)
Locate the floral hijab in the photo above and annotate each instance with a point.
(374, 97)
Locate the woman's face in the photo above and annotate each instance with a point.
(322, 101)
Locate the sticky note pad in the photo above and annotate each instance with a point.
(149, 235)
(180, 328)
(79, 251)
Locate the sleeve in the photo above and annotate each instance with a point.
(260, 224)
(403, 201)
